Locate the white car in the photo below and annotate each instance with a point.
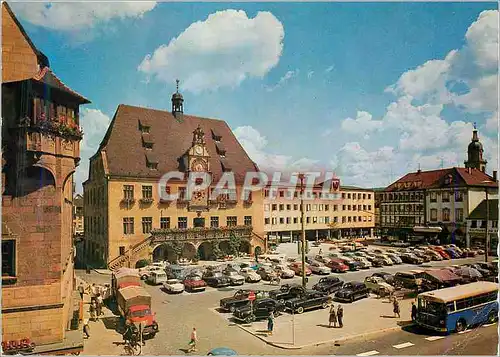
(319, 268)
(235, 277)
(284, 271)
(386, 259)
(145, 272)
(173, 286)
(250, 275)
(365, 263)
(163, 264)
(394, 258)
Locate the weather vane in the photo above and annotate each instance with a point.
(177, 85)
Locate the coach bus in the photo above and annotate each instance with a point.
(455, 309)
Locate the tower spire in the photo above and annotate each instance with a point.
(177, 102)
(177, 91)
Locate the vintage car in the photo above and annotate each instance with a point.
(337, 266)
(240, 298)
(286, 292)
(260, 309)
(378, 286)
(435, 256)
(386, 259)
(145, 272)
(352, 291)
(328, 284)
(411, 279)
(284, 272)
(235, 277)
(216, 279)
(309, 300)
(319, 268)
(363, 262)
(395, 258)
(388, 278)
(411, 258)
(351, 263)
(157, 277)
(250, 275)
(194, 282)
(266, 272)
(376, 261)
(297, 268)
(173, 286)
(422, 255)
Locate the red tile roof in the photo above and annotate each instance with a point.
(46, 76)
(460, 177)
(172, 139)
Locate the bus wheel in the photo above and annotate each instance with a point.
(492, 317)
(461, 325)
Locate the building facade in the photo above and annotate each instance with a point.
(477, 223)
(40, 151)
(126, 218)
(346, 212)
(78, 227)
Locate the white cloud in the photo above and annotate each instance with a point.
(283, 80)
(95, 124)
(71, 16)
(482, 39)
(492, 124)
(363, 124)
(221, 51)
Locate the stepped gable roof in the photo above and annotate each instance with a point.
(47, 77)
(173, 138)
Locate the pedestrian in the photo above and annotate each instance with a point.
(99, 305)
(81, 290)
(340, 316)
(396, 307)
(413, 311)
(320, 251)
(86, 328)
(93, 292)
(92, 310)
(193, 341)
(270, 324)
(333, 317)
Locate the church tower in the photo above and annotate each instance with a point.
(475, 153)
(177, 104)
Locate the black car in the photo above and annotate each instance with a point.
(240, 298)
(329, 284)
(388, 278)
(352, 264)
(309, 300)
(351, 291)
(216, 279)
(286, 292)
(260, 309)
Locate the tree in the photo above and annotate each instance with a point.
(234, 244)
(142, 263)
(216, 251)
(177, 247)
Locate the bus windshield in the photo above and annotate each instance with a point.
(431, 307)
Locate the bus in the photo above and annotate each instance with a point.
(457, 308)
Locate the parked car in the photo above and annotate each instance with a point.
(378, 285)
(286, 292)
(260, 309)
(351, 263)
(352, 291)
(157, 277)
(435, 256)
(266, 272)
(321, 258)
(441, 252)
(284, 272)
(376, 261)
(297, 268)
(216, 279)
(388, 278)
(386, 259)
(250, 275)
(240, 298)
(235, 277)
(319, 268)
(337, 266)
(145, 272)
(411, 279)
(422, 255)
(395, 258)
(309, 300)
(411, 258)
(194, 282)
(363, 262)
(453, 253)
(468, 253)
(173, 286)
(328, 284)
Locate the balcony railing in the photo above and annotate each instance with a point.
(146, 200)
(204, 234)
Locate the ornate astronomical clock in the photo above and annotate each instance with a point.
(197, 160)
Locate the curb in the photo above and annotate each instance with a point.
(341, 339)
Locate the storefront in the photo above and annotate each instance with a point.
(476, 238)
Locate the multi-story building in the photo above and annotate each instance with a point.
(126, 217)
(346, 212)
(78, 227)
(378, 193)
(442, 198)
(40, 150)
(477, 222)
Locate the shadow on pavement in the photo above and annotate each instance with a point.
(417, 330)
(113, 323)
(324, 325)
(225, 289)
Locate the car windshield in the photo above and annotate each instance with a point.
(140, 313)
(193, 277)
(348, 286)
(217, 275)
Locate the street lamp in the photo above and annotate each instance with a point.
(302, 223)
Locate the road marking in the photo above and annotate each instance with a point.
(465, 331)
(369, 353)
(434, 338)
(403, 345)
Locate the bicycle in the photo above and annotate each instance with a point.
(133, 346)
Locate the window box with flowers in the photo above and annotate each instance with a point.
(62, 126)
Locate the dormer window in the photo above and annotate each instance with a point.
(144, 127)
(448, 180)
(215, 136)
(151, 161)
(220, 149)
(147, 141)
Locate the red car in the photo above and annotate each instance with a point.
(297, 268)
(194, 283)
(337, 266)
(441, 252)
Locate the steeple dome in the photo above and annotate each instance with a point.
(177, 103)
(475, 153)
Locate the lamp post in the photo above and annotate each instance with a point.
(302, 224)
(486, 241)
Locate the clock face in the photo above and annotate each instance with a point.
(198, 150)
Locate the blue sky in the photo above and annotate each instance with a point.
(412, 77)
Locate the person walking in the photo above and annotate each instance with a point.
(333, 317)
(193, 341)
(396, 308)
(320, 251)
(413, 312)
(98, 300)
(93, 292)
(92, 310)
(340, 315)
(81, 290)
(270, 324)
(86, 328)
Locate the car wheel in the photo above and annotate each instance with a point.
(144, 277)
(250, 319)
(281, 301)
(461, 325)
(493, 316)
(299, 310)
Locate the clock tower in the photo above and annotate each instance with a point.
(196, 160)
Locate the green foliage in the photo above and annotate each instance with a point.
(142, 263)
(177, 247)
(216, 251)
(234, 244)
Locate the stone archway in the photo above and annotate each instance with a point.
(225, 247)
(205, 251)
(188, 251)
(245, 247)
(163, 252)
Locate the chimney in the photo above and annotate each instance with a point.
(495, 176)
